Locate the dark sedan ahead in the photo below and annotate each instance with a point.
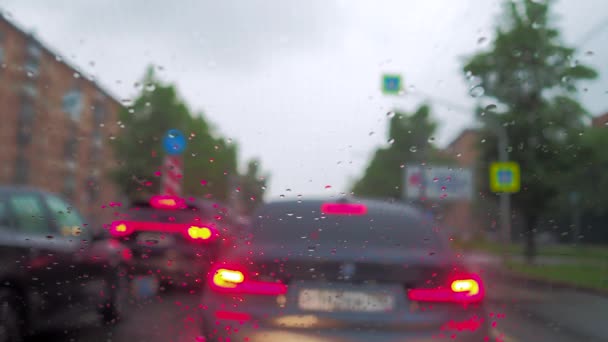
(54, 273)
(319, 271)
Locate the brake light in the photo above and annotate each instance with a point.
(232, 280)
(167, 202)
(343, 209)
(463, 290)
(202, 233)
(120, 229)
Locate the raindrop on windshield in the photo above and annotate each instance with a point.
(476, 91)
(413, 148)
(390, 114)
(391, 141)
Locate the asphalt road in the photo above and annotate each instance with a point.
(517, 315)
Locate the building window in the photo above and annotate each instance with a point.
(99, 114)
(26, 118)
(72, 104)
(21, 170)
(71, 149)
(30, 90)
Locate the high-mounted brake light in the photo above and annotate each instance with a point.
(343, 209)
(231, 280)
(167, 202)
(462, 290)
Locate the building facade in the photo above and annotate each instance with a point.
(55, 126)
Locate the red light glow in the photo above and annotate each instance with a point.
(463, 290)
(231, 315)
(167, 202)
(343, 209)
(232, 280)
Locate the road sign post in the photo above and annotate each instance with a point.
(505, 179)
(174, 144)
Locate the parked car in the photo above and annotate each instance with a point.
(174, 239)
(54, 272)
(342, 271)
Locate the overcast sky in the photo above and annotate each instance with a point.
(297, 83)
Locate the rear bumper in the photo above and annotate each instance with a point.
(237, 331)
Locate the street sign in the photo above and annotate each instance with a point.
(504, 177)
(391, 84)
(438, 182)
(174, 142)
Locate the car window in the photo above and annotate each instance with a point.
(29, 214)
(68, 219)
(382, 229)
(6, 221)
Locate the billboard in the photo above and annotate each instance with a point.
(438, 182)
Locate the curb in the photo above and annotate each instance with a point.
(549, 285)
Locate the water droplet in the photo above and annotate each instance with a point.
(565, 79)
(490, 107)
(391, 141)
(92, 63)
(481, 40)
(402, 166)
(150, 87)
(476, 91)
(76, 75)
(29, 74)
(459, 155)
(413, 149)
(328, 186)
(431, 139)
(58, 58)
(127, 102)
(371, 133)
(390, 114)
(589, 53)
(483, 141)
(435, 180)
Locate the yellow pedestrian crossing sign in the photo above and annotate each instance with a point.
(504, 177)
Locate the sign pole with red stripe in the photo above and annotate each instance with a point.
(174, 144)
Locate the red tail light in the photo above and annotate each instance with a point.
(461, 290)
(200, 233)
(343, 209)
(167, 202)
(119, 228)
(235, 280)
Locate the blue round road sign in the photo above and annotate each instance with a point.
(174, 142)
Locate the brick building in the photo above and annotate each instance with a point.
(460, 214)
(600, 120)
(55, 123)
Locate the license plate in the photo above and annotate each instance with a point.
(347, 300)
(155, 239)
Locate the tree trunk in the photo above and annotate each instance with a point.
(530, 241)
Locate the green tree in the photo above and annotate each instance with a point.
(531, 76)
(410, 137)
(252, 186)
(208, 158)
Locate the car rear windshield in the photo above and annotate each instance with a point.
(145, 212)
(375, 229)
